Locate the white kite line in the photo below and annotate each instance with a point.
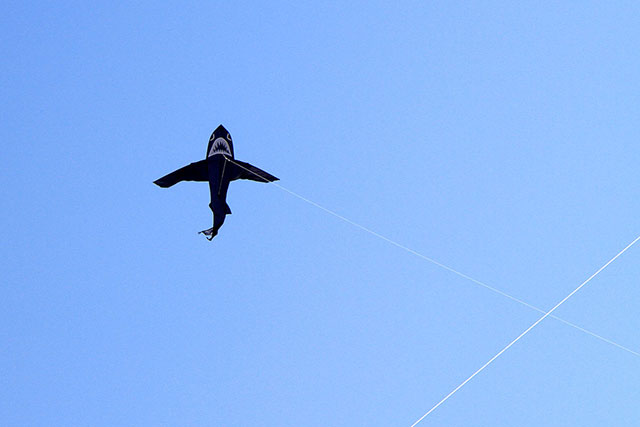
(525, 332)
(433, 261)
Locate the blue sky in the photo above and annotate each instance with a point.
(497, 138)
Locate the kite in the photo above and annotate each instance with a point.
(219, 168)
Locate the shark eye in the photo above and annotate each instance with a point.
(229, 137)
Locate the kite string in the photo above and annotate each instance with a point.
(525, 332)
(431, 260)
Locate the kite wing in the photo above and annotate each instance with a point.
(243, 170)
(197, 171)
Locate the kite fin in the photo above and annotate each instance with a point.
(228, 209)
(244, 170)
(198, 171)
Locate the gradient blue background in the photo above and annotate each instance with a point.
(498, 138)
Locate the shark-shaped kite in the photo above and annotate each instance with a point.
(219, 168)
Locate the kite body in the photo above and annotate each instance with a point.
(219, 168)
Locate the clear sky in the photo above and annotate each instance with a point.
(499, 138)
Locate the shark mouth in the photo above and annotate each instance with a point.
(220, 146)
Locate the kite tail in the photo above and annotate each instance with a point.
(218, 220)
(209, 233)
